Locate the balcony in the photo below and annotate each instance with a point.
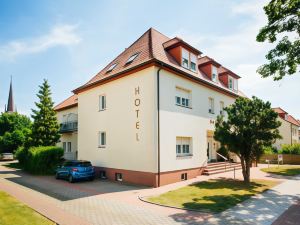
(68, 127)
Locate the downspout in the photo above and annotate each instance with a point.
(158, 127)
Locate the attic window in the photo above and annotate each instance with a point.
(131, 58)
(111, 67)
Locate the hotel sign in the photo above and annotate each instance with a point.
(137, 103)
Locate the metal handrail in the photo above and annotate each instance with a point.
(225, 160)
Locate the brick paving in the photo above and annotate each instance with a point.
(290, 217)
(106, 203)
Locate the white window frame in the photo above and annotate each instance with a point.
(102, 102)
(193, 59)
(211, 105)
(222, 106)
(101, 139)
(214, 74)
(183, 101)
(64, 146)
(183, 146)
(185, 56)
(69, 148)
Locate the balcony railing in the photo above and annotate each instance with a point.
(68, 126)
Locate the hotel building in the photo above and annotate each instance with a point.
(148, 117)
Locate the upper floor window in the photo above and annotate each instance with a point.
(214, 75)
(131, 58)
(183, 146)
(232, 84)
(111, 67)
(222, 108)
(211, 105)
(101, 139)
(185, 58)
(102, 102)
(183, 97)
(189, 60)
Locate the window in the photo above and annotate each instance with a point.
(111, 67)
(185, 58)
(189, 60)
(183, 146)
(65, 146)
(184, 176)
(211, 105)
(182, 97)
(222, 108)
(102, 102)
(131, 58)
(235, 84)
(102, 140)
(193, 62)
(214, 75)
(230, 83)
(118, 177)
(69, 147)
(102, 174)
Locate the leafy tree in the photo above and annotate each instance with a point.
(45, 129)
(250, 125)
(283, 21)
(14, 131)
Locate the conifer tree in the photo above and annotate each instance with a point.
(45, 129)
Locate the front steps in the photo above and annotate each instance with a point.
(220, 167)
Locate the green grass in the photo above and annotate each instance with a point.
(212, 195)
(14, 212)
(283, 170)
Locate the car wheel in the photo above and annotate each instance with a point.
(57, 176)
(71, 179)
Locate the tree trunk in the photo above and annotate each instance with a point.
(246, 163)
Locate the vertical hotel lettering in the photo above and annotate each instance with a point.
(137, 103)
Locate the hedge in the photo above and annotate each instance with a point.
(40, 160)
(290, 149)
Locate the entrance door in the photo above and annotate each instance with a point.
(209, 148)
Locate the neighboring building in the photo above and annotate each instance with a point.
(10, 107)
(148, 117)
(289, 129)
(67, 115)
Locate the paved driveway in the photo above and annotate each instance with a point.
(104, 202)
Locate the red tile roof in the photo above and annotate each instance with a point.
(205, 59)
(150, 47)
(289, 118)
(223, 70)
(68, 103)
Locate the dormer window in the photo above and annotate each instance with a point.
(189, 60)
(131, 58)
(232, 83)
(111, 67)
(214, 75)
(185, 58)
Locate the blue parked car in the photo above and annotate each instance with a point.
(75, 170)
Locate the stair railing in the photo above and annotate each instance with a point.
(226, 160)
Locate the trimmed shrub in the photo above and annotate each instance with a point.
(269, 150)
(22, 155)
(290, 149)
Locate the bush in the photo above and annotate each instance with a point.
(269, 150)
(290, 149)
(22, 155)
(40, 160)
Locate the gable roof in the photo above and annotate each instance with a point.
(68, 103)
(279, 110)
(150, 47)
(289, 118)
(205, 59)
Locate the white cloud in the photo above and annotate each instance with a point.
(60, 35)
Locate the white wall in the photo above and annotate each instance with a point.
(285, 132)
(122, 150)
(186, 122)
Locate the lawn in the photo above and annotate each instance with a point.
(283, 170)
(14, 212)
(212, 195)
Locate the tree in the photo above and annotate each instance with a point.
(14, 131)
(249, 125)
(283, 19)
(45, 129)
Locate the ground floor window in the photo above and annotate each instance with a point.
(65, 146)
(69, 147)
(118, 177)
(183, 146)
(101, 139)
(184, 176)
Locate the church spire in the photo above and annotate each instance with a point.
(10, 104)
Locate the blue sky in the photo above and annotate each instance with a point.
(69, 41)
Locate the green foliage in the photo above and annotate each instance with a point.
(45, 129)
(290, 149)
(40, 160)
(250, 125)
(269, 150)
(283, 21)
(14, 131)
(223, 151)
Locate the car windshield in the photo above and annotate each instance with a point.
(83, 164)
